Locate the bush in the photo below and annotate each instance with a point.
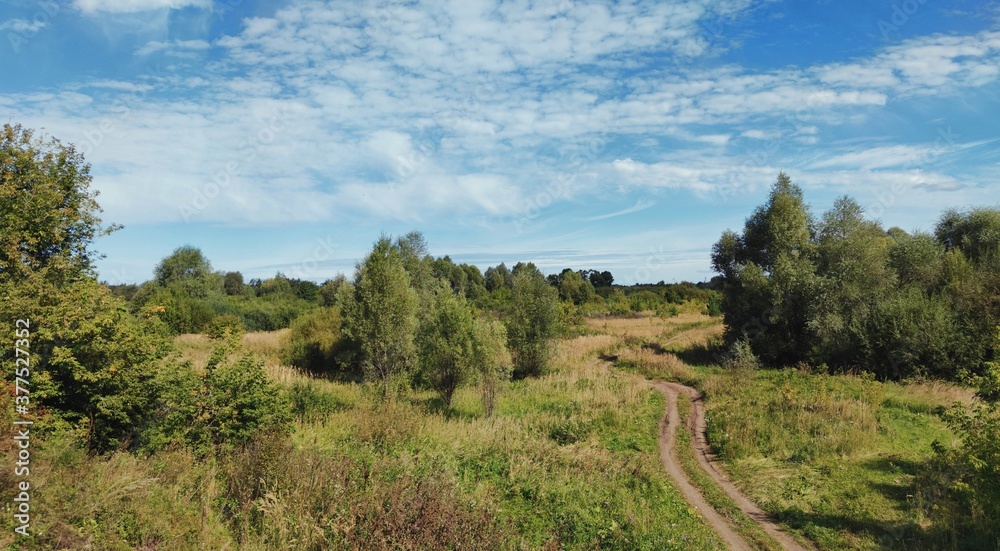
(741, 357)
(960, 487)
(90, 360)
(228, 403)
(532, 321)
(224, 327)
(315, 343)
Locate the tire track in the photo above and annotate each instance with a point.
(696, 425)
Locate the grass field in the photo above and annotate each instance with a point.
(834, 457)
(570, 460)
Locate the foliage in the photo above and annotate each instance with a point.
(741, 357)
(315, 343)
(445, 343)
(226, 326)
(532, 321)
(233, 283)
(380, 315)
(90, 360)
(491, 357)
(228, 403)
(843, 292)
(960, 488)
(185, 266)
(574, 288)
(50, 215)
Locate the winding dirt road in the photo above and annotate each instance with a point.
(668, 455)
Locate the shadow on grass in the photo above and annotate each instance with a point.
(435, 405)
(699, 354)
(905, 535)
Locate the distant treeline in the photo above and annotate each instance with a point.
(188, 295)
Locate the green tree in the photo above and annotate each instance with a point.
(445, 343)
(50, 214)
(853, 265)
(233, 283)
(769, 276)
(917, 259)
(491, 356)
(975, 231)
(574, 288)
(328, 291)
(186, 263)
(532, 321)
(91, 362)
(413, 252)
(380, 315)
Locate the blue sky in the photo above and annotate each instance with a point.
(623, 136)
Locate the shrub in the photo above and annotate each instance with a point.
(90, 360)
(224, 327)
(741, 357)
(228, 403)
(315, 343)
(532, 321)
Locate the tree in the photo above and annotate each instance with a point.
(976, 232)
(328, 291)
(769, 276)
(599, 279)
(50, 215)
(445, 343)
(574, 288)
(492, 358)
(416, 260)
(497, 277)
(532, 322)
(188, 272)
(233, 283)
(379, 316)
(854, 273)
(917, 259)
(185, 263)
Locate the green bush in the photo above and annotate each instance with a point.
(960, 487)
(315, 343)
(226, 404)
(91, 361)
(224, 327)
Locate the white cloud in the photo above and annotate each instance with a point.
(134, 6)
(465, 108)
(176, 47)
(871, 158)
(23, 25)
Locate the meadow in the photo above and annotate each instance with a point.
(569, 460)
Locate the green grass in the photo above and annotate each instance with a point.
(833, 457)
(569, 460)
(751, 532)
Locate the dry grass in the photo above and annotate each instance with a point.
(646, 326)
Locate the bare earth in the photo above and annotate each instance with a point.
(668, 451)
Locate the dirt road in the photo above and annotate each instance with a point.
(668, 455)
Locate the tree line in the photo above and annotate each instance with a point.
(841, 291)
